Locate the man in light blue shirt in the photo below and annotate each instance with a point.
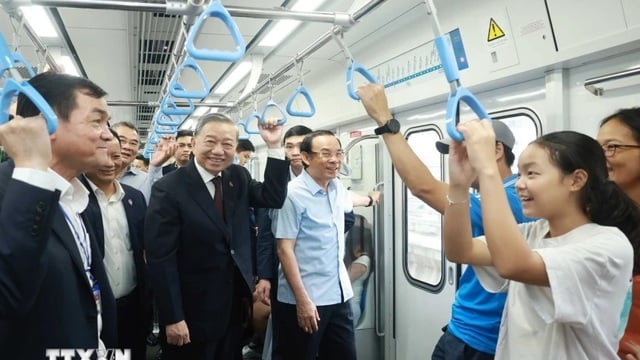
(314, 287)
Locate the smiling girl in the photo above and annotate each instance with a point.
(567, 274)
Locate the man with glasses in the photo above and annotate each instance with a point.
(315, 316)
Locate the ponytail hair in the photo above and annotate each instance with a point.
(600, 198)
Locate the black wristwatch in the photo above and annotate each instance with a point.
(392, 126)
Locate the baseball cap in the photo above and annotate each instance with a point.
(503, 135)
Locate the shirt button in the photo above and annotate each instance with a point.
(233, 252)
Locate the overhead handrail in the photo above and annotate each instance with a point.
(301, 90)
(169, 107)
(216, 10)
(272, 105)
(15, 85)
(354, 66)
(590, 84)
(457, 92)
(178, 90)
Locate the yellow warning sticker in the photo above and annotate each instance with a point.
(495, 32)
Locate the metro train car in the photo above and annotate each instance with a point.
(538, 66)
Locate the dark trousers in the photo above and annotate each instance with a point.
(226, 347)
(132, 324)
(335, 338)
(449, 347)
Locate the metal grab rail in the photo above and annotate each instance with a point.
(590, 84)
(457, 92)
(216, 10)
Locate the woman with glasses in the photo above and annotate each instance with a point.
(619, 136)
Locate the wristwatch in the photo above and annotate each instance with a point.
(392, 126)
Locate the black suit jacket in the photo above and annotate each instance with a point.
(135, 208)
(193, 254)
(45, 298)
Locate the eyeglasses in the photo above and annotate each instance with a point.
(326, 155)
(610, 149)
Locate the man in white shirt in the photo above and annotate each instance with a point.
(116, 213)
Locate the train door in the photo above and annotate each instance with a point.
(424, 281)
(363, 174)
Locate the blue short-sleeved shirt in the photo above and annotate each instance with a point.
(315, 219)
(476, 313)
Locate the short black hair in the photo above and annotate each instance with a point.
(307, 142)
(509, 157)
(59, 90)
(183, 133)
(144, 159)
(298, 130)
(245, 145)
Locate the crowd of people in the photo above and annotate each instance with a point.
(93, 238)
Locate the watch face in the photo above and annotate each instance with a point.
(394, 126)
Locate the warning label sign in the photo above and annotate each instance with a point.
(495, 32)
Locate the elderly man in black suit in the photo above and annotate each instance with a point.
(54, 292)
(198, 245)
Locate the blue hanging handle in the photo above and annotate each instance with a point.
(12, 88)
(357, 67)
(458, 92)
(246, 123)
(152, 138)
(165, 130)
(6, 57)
(168, 107)
(243, 125)
(216, 10)
(272, 104)
(18, 59)
(301, 90)
(167, 120)
(177, 89)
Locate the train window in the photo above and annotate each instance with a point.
(525, 125)
(423, 257)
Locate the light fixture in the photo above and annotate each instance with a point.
(283, 28)
(234, 78)
(68, 66)
(39, 21)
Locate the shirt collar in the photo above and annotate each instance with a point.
(117, 196)
(312, 185)
(204, 173)
(72, 194)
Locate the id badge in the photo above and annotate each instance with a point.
(96, 296)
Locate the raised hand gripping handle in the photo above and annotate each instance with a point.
(216, 10)
(273, 104)
(301, 90)
(462, 95)
(357, 67)
(12, 88)
(177, 89)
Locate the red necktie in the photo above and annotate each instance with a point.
(217, 197)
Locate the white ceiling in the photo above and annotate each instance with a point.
(108, 43)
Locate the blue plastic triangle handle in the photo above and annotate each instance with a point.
(301, 90)
(272, 104)
(12, 88)
(357, 67)
(216, 10)
(168, 120)
(247, 123)
(168, 107)
(178, 90)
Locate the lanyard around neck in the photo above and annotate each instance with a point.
(82, 242)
